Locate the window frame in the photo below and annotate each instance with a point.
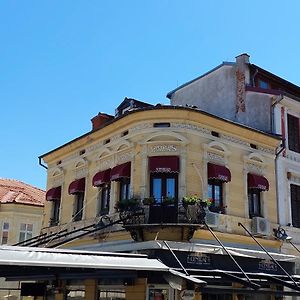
(78, 206)
(5, 233)
(104, 198)
(163, 177)
(124, 183)
(295, 205)
(214, 183)
(55, 212)
(251, 203)
(28, 234)
(293, 133)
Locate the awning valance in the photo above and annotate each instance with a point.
(120, 171)
(218, 172)
(257, 182)
(164, 164)
(53, 194)
(101, 177)
(77, 186)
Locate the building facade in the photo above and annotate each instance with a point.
(125, 186)
(21, 214)
(247, 94)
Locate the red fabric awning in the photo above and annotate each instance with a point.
(218, 172)
(258, 182)
(77, 186)
(120, 171)
(101, 177)
(53, 194)
(164, 164)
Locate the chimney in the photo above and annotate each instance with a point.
(99, 120)
(242, 79)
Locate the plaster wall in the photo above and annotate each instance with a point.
(214, 93)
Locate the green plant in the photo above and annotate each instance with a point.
(206, 202)
(149, 201)
(190, 200)
(168, 200)
(126, 204)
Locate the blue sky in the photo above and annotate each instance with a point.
(62, 62)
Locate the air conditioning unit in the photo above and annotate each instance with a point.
(212, 219)
(260, 226)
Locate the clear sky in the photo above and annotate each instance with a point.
(63, 61)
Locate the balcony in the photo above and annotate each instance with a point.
(166, 220)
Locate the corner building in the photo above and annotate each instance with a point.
(120, 188)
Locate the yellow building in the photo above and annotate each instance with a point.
(21, 214)
(139, 166)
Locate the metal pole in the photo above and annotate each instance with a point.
(294, 246)
(182, 267)
(272, 258)
(252, 285)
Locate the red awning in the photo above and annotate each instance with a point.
(120, 171)
(101, 177)
(164, 164)
(77, 186)
(218, 172)
(53, 194)
(258, 182)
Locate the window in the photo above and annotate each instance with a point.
(104, 199)
(254, 202)
(25, 232)
(293, 133)
(55, 212)
(163, 185)
(295, 205)
(5, 229)
(263, 84)
(78, 207)
(161, 125)
(124, 189)
(215, 192)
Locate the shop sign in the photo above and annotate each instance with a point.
(187, 295)
(198, 259)
(267, 265)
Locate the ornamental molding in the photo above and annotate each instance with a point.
(105, 164)
(163, 148)
(191, 127)
(234, 140)
(81, 172)
(94, 147)
(141, 127)
(293, 156)
(57, 181)
(124, 157)
(294, 178)
(254, 168)
(211, 156)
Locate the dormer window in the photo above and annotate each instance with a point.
(263, 84)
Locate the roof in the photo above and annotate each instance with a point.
(157, 107)
(15, 191)
(225, 63)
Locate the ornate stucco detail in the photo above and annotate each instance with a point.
(191, 127)
(163, 148)
(234, 140)
(57, 181)
(267, 150)
(141, 127)
(124, 157)
(294, 178)
(104, 164)
(293, 156)
(81, 172)
(254, 168)
(70, 157)
(215, 157)
(115, 137)
(94, 147)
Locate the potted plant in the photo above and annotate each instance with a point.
(190, 200)
(149, 201)
(127, 204)
(168, 200)
(206, 203)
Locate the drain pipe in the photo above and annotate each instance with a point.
(41, 164)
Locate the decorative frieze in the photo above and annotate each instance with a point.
(215, 157)
(254, 168)
(105, 164)
(124, 157)
(234, 140)
(94, 147)
(293, 156)
(141, 127)
(81, 172)
(191, 127)
(163, 148)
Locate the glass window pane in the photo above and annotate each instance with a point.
(157, 189)
(5, 226)
(23, 227)
(209, 191)
(170, 189)
(217, 195)
(29, 227)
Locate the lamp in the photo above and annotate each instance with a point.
(281, 234)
